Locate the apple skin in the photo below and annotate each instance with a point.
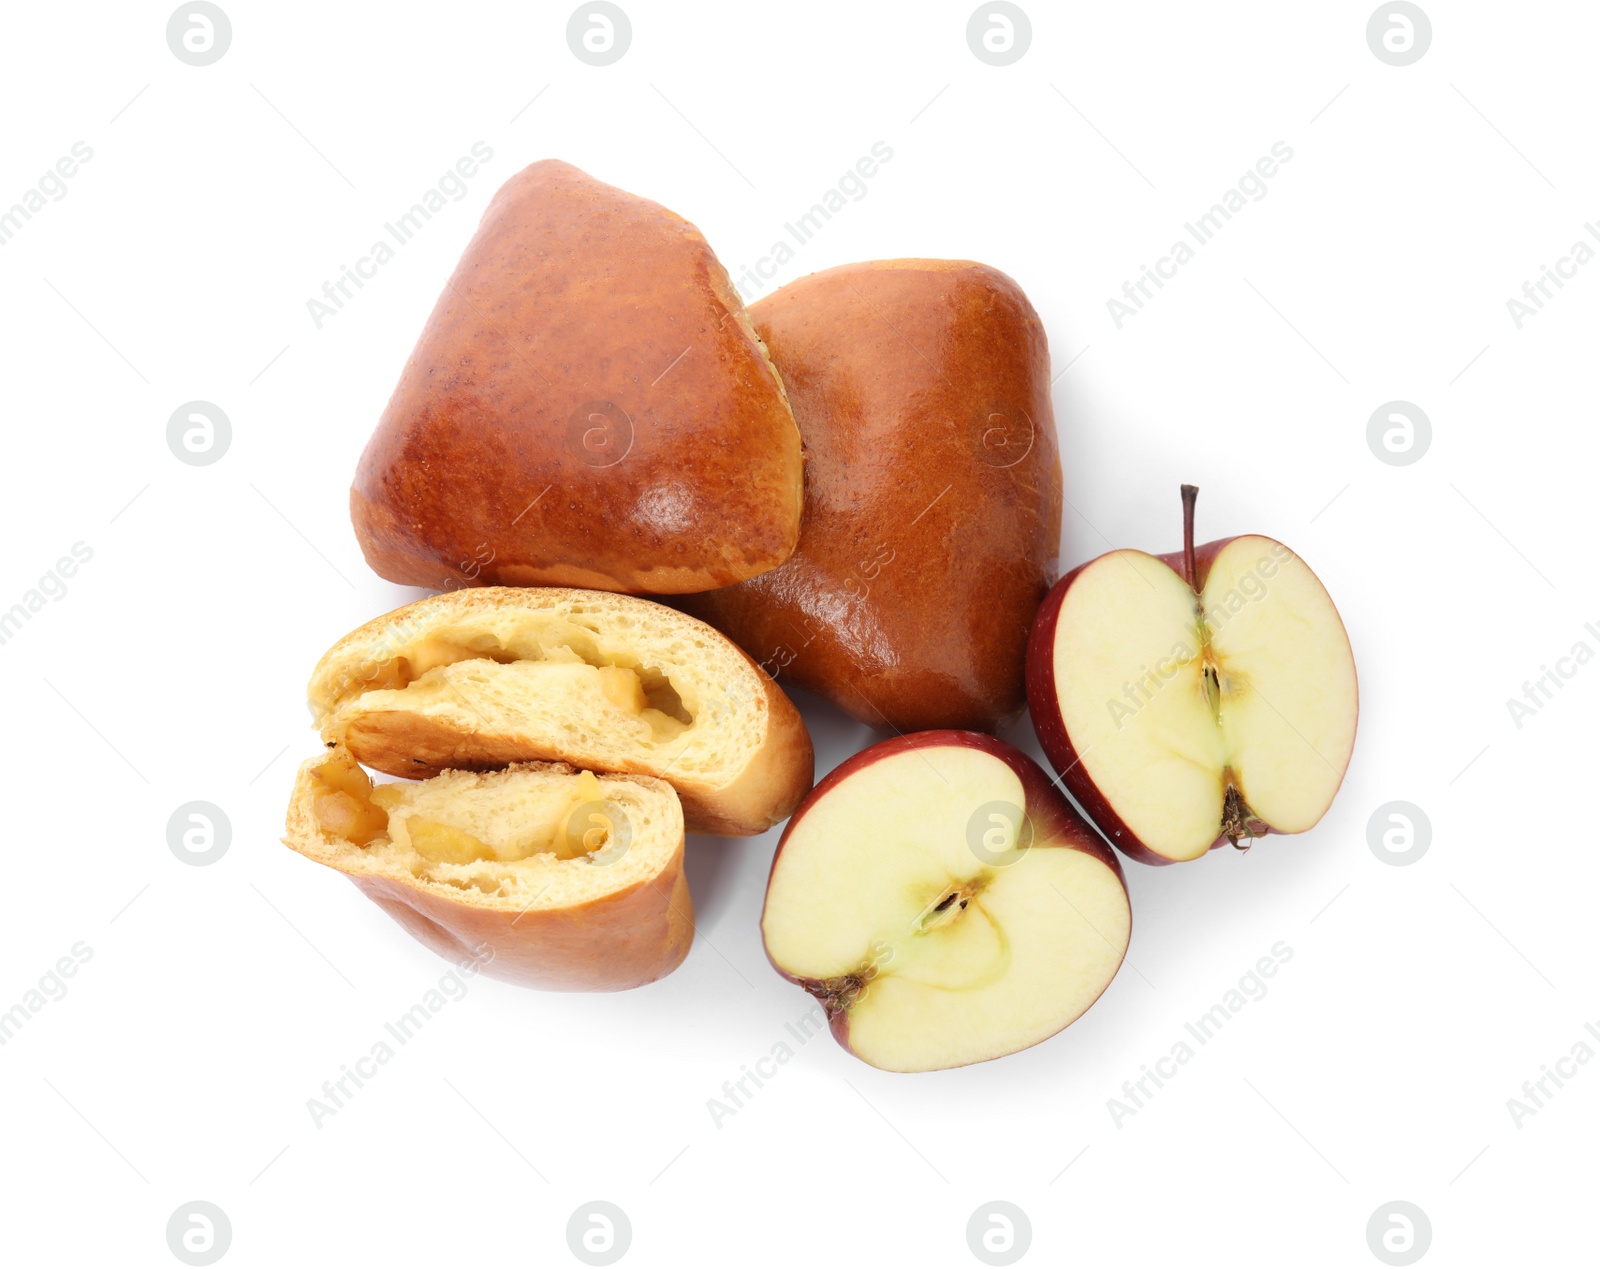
(1045, 710)
(1055, 824)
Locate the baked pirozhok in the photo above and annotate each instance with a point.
(588, 405)
(478, 679)
(551, 877)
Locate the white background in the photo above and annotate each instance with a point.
(218, 999)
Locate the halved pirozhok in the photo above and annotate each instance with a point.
(477, 679)
(547, 876)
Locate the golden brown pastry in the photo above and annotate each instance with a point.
(588, 405)
(544, 875)
(477, 679)
(933, 494)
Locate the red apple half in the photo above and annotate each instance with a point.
(944, 903)
(1194, 698)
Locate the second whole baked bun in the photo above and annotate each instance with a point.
(933, 494)
(477, 679)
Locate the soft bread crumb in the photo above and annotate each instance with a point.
(502, 807)
(480, 678)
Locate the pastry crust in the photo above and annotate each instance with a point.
(554, 924)
(527, 682)
(588, 405)
(933, 494)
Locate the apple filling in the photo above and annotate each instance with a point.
(1199, 716)
(935, 952)
(541, 653)
(571, 821)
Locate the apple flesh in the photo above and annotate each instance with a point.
(1194, 698)
(944, 903)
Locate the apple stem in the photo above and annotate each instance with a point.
(1190, 493)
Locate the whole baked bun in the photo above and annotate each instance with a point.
(933, 494)
(541, 874)
(588, 405)
(481, 678)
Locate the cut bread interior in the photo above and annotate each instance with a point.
(924, 952)
(1201, 718)
(539, 874)
(476, 679)
(536, 836)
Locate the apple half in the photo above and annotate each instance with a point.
(944, 903)
(1196, 698)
